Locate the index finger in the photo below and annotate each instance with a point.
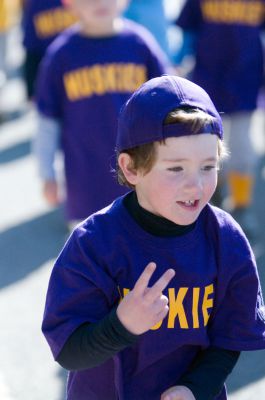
(143, 280)
(157, 289)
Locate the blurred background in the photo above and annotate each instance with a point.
(32, 234)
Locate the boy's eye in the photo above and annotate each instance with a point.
(175, 169)
(209, 167)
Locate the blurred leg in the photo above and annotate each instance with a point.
(242, 162)
(240, 171)
(3, 51)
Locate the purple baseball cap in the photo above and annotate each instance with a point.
(141, 118)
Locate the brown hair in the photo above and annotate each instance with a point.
(143, 157)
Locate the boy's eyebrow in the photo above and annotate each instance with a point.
(186, 159)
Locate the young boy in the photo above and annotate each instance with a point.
(154, 296)
(86, 76)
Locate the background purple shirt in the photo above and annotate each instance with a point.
(42, 21)
(229, 62)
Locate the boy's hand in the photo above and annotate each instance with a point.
(50, 192)
(178, 393)
(144, 307)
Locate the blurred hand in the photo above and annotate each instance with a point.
(143, 307)
(178, 393)
(50, 192)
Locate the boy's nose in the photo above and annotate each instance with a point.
(194, 186)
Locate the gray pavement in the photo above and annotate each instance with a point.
(31, 235)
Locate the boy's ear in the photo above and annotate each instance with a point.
(126, 165)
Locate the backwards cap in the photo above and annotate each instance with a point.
(142, 117)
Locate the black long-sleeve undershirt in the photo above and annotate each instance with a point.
(209, 371)
(92, 344)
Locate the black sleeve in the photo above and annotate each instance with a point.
(92, 344)
(207, 375)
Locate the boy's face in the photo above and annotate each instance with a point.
(182, 180)
(96, 14)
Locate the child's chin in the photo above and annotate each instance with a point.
(186, 221)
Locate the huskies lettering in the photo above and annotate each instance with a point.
(233, 12)
(198, 312)
(102, 79)
(52, 22)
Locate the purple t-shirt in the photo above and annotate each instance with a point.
(214, 299)
(42, 21)
(83, 83)
(228, 51)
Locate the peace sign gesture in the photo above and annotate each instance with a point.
(143, 307)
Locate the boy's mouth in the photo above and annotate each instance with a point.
(192, 204)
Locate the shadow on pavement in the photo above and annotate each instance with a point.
(62, 374)
(249, 369)
(259, 208)
(27, 246)
(15, 152)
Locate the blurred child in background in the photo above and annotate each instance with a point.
(87, 74)
(228, 65)
(42, 21)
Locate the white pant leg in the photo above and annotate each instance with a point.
(237, 134)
